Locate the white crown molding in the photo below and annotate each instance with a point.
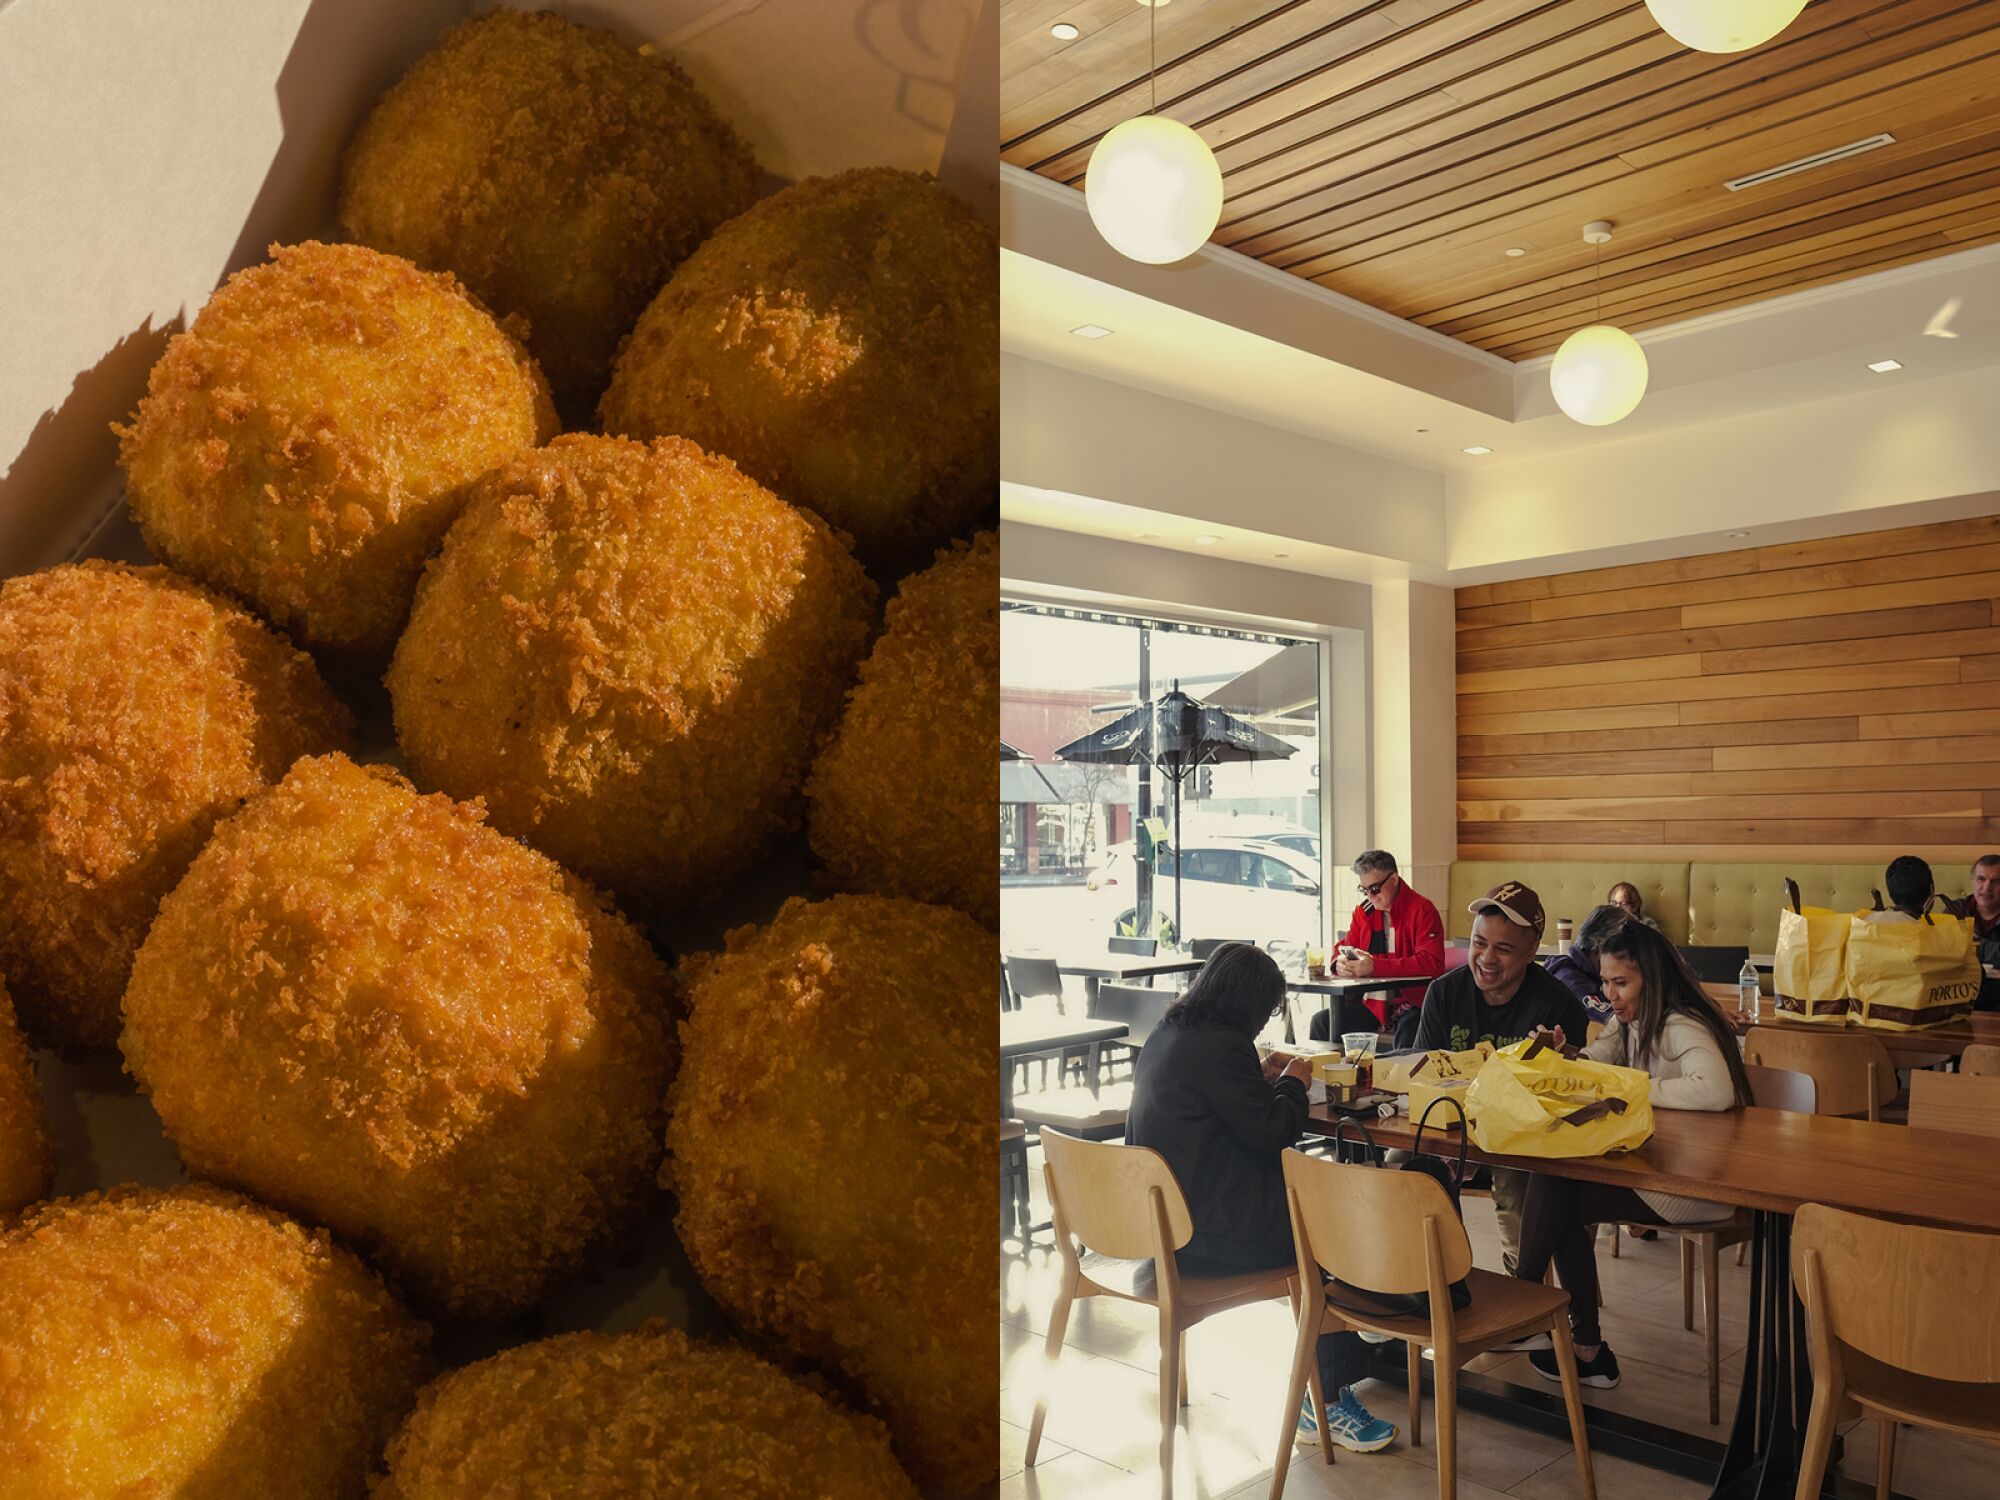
(1049, 222)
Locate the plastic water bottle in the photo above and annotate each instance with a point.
(1746, 989)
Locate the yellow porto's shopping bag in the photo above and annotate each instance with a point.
(1905, 976)
(1809, 968)
(1530, 1100)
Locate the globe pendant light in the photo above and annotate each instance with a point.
(1153, 188)
(1724, 25)
(1599, 373)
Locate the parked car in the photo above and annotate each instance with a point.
(1230, 888)
(1299, 843)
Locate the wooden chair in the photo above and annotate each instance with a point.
(1122, 1203)
(1852, 1074)
(1039, 980)
(1770, 1088)
(1139, 1008)
(1900, 1319)
(1014, 1180)
(1204, 948)
(1981, 1058)
(1966, 1104)
(1396, 1233)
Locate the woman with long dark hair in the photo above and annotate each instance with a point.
(1222, 1120)
(1662, 1022)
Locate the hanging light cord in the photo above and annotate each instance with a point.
(1598, 280)
(1153, 49)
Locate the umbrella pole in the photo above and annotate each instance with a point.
(1180, 853)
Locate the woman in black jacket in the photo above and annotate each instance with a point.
(1222, 1120)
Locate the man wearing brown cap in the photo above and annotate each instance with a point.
(1502, 996)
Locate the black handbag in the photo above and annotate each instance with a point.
(1448, 1175)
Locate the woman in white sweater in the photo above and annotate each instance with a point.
(1664, 1023)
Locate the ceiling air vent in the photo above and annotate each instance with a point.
(1807, 163)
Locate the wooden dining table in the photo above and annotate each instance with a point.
(1981, 1027)
(1769, 1162)
(1030, 1033)
(1338, 988)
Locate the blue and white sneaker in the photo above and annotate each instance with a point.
(1307, 1434)
(1352, 1426)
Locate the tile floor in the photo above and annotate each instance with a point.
(1102, 1434)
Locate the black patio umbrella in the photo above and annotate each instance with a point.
(1008, 752)
(1176, 735)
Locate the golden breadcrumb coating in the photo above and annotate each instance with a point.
(553, 168)
(918, 750)
(192, 1343)
(304, 443)
(27, 1164)
(368, 1007)
(840, 341)
(136, 708)
(598, 1416)
(629, 650)
(831, 1134)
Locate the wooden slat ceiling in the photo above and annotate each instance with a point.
(1393, 150)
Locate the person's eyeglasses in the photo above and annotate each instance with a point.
(1371, 890)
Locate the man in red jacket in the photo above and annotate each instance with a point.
(1397, 931)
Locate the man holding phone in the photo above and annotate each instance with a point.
(1394, 932)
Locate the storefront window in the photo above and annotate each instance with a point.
(1086, 845)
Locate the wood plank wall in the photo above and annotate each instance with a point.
(1835, 699)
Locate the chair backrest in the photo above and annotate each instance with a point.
(1456, 958)
(1144, 947)
(1034, 979)
(1838, 1062)
(1102, 1194)
(1782, 1088)
(1981, 1058)
(1365, 1224)
(1964, 1104)
(1917, 1299)
(1204, 948)
(1138, 1007)
(1717, 965)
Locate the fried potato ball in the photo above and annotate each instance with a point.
(191, 1343)
(629, 650)
(595, 1415)
(136, 707)
(918, 746)
(840, 341)
(27, 1165)
(556, 170)
(830, 1137)
(371, 1009)
(303, 445)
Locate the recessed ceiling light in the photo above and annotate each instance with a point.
(1062, 31)
(1206, 541)
(1514, 252)
(1476, 450)
(1734, 534)
(1884, 366)
(1091, 331)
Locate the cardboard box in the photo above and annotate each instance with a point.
(148, 150)
(1396, 1072)
(1424, 1092)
